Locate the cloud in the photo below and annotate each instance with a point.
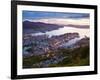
(83, 21)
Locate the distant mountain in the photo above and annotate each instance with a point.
(35, 27)
(78, 23)
(78, 26)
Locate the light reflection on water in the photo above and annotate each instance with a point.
(66, 29)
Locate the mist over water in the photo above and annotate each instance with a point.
(66, 29)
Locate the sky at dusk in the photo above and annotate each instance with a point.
(35, 15)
